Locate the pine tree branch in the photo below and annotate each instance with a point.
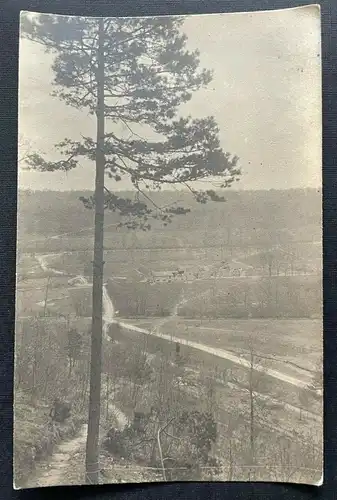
(149, 73)
(148, 198)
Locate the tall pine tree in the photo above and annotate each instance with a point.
(132, 74)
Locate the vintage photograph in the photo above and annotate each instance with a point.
(169, 249)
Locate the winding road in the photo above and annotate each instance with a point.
(109, 313)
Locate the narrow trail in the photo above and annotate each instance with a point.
(55, 471)
(66, 464)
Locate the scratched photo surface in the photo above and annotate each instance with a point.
(169, 257)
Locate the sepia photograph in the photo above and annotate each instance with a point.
(169, 304)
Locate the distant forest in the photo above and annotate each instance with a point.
(244, 217)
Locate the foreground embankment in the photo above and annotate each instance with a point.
(35, 437)
(284, 423)
(228, 366)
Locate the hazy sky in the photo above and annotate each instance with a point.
(265, 96)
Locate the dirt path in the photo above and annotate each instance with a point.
(63, 467)
(66, 465)
(221, 353)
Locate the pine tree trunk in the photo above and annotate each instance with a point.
(107, 395)
(230, 473)
(92, 446)
(35, 366)
(252, 417)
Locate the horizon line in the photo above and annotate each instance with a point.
(299, 188)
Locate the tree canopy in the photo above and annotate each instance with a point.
(148, 74)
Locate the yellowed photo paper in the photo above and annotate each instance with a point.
(169, 251)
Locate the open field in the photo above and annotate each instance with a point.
(295, 296)
(267, 338)
(32, 294)
(175, 251)
(137, 291)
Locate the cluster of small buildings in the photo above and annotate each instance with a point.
(207, 272)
